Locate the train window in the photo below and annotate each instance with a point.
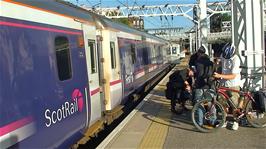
(91, 44)
(63, 58)
(168, 51)
(174, 50)
(133, 53)
(112, 51)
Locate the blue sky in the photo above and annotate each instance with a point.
(114, 3)
(150, 22)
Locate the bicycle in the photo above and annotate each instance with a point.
(213, 108)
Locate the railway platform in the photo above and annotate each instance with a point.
(152, 125)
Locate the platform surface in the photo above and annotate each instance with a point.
(151, 125)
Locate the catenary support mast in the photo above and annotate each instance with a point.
(203, 27)
(248, 36)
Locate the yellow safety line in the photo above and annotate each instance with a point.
(157, 133)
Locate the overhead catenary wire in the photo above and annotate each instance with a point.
(151, 22)
(89, 2)
(126, 5)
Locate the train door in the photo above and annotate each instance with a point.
(93, 72)
(115, 78)
(101, 66)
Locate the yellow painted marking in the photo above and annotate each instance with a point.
(157, 133)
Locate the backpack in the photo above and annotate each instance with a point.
(260, 99)
(169, 91)
(192, 60)
(176, 81)
(204, 72)
(178, 78)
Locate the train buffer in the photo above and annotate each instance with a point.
(152, 125)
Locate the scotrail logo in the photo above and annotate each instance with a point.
(65, 110)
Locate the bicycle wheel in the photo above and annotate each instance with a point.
(208, 116)
(255, 118)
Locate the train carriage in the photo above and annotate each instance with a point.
(126, 59)
(66, 72)
(175, 54)
(43, 74)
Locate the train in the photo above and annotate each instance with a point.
(66, 72)
(174, 53)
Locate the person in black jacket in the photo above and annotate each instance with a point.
(202, 67)
(204, 81)
(179, 87)
(195, 56)
(203, 72)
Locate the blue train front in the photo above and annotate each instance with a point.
(65, 71)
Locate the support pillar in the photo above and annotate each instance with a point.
(248, 37)
(203, 27)
(190, 43)
(197, 37)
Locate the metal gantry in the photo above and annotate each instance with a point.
(189, 11)
(177, 33)
(165, 31)
(248, 18)
(185, 10)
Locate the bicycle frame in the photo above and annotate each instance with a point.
(224, 108)
(224, 92)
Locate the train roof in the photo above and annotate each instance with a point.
(57, 6)
(122, 27)
(68, 9)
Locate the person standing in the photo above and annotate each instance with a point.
(230, 75)
(203, 80)
(195, 56)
